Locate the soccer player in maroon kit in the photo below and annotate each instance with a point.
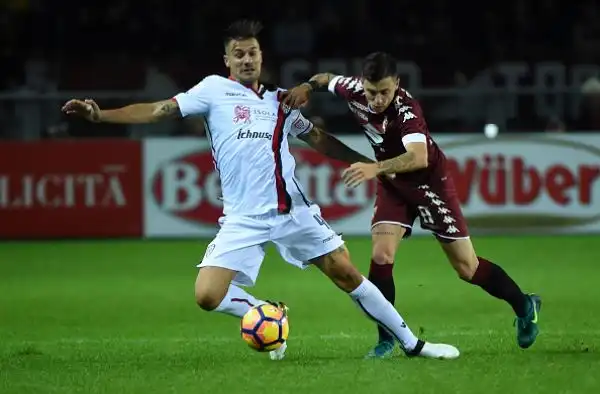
(422, 187)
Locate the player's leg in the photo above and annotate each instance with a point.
(215, 292)
(211, 287)
(232, 259)
(385, 238)
(233, 256)
(390, 224)
(337, 266)
(440, 212)
(496, 282)
(308, 238)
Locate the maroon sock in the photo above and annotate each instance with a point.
(496, 282)
(381, 276)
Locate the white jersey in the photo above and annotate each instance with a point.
(248, 133)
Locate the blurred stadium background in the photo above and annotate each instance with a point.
(101, 225)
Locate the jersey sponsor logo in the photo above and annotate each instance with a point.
(235, 94)
(330, 238)
(264, 114)
(241, 114)
(408, 116)
(244, 114)
(405, 111)
(248, 134)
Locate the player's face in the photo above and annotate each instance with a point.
(381, 93)
(244, 60)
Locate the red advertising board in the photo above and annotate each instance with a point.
(74, 189)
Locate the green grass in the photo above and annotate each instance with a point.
(119, 317)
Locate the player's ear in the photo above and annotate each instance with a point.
(226, 60)
(397, 83)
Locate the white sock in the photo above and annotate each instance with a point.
(375, 306)
(237, 302)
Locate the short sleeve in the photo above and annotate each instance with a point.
(196, 101)
(298, 124)
(412, 123)
(344, 87)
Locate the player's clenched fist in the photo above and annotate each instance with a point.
(87, 109)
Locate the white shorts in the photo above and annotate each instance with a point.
(299, 236)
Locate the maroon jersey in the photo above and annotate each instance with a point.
(388, 132)
(429, 193)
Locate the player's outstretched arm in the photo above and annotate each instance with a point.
(135, 113)
(330, 146)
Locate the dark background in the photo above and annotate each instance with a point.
(459, 58)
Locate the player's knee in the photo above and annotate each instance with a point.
(465, 268)
(207, 297)
(207, 300)
(383, 255)
(462, 257)
(212, 284)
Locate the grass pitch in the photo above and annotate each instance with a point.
(119, 317)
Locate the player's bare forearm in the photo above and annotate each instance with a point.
(328, 145)
(141, 113)
(406, 162)
(322, 79)
(317, 82)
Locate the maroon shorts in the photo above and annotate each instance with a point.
(437, 206)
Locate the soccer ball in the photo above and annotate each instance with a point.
(265, 328)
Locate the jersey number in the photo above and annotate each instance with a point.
(321, 221)
(425, 215)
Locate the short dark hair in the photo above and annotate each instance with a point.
(379, 65)
(242, 30)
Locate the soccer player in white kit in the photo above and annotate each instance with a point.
(262, 201)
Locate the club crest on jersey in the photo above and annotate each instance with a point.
(241, 114)
(300, 124)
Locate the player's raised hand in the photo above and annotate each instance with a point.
(358, 173)
(298, 96)
(87, 109)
